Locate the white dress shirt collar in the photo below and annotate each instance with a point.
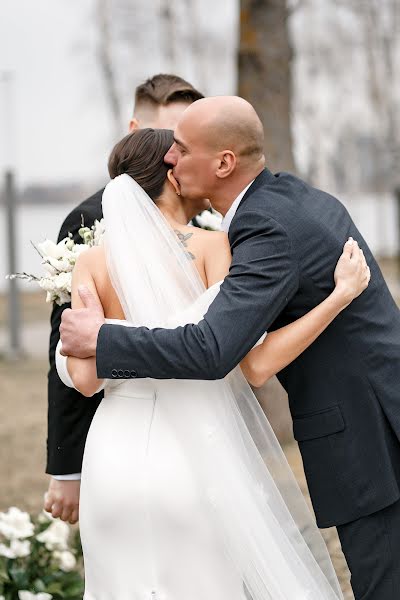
(227, 220)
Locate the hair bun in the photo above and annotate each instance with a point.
(140, 154)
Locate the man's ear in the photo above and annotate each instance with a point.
(134, 124)
(173, 182)
(227, 164)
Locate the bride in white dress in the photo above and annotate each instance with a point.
(185, 492)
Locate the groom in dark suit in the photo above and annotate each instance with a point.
(159, 102)
(344, 391)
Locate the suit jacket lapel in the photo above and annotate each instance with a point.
(264, 177)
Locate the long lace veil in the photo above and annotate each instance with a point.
(248, 487)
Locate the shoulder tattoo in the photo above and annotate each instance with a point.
(183, 240)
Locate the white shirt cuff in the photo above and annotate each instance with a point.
(63, 373)
(69, 477)
(62, 367)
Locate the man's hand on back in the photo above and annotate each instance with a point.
(80, 328)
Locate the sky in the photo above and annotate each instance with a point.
(54, 121)
(54, 124)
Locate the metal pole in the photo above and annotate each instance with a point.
(7, 98)
(13, 296)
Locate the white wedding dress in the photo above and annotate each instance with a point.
(185, 493)
(145, 529)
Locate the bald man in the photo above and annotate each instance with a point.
(344, 391)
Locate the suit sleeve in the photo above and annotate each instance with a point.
(262, 279)
(69, 413)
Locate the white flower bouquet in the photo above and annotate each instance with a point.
(58, 261)
(38, 559)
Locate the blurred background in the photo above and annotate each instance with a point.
(321, 74)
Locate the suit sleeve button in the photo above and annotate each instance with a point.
(133, 374)
(120, 373)
(127, 374)
(114, 373)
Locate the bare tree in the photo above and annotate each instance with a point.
(380, 23)
(264, 74)
(197, 40)
(105, 57)
(169, 33)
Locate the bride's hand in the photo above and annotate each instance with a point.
(352, 274)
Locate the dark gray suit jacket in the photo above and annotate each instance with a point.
(286, 238)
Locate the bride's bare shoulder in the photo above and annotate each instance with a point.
(206, 236)
(216, 253)
(92, 257)
(215, 239)
(93, 262)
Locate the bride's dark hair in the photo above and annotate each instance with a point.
(140, 155)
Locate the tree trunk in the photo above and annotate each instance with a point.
(107, 66)
(264, 74)
(169, 33)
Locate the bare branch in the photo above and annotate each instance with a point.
(106, 62)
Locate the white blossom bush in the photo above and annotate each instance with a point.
(40, 559)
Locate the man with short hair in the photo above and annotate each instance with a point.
(159, 102)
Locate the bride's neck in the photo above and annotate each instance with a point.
(173, 211)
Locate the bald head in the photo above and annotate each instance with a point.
(218, 150)
(227, 123)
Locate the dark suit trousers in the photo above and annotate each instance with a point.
(372, 549)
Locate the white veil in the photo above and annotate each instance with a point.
(253, 498)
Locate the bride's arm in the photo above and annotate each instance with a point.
(83, 370)
(284, 345)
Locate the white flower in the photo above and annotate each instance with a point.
(44, 516)
(212, 220)
(50, 270)
(78, 249)
(62, 298)
(87, 236)
(55, 537)
(6, 551)
(63, 247)
(59, 265)
(50, 249)
(16, 549)
(25, 595)
(69, 243)
(50, 297)
(21, 547)
(99, 229)
(47, 283)
(66, 559)
(15, 524)
(63, 282)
